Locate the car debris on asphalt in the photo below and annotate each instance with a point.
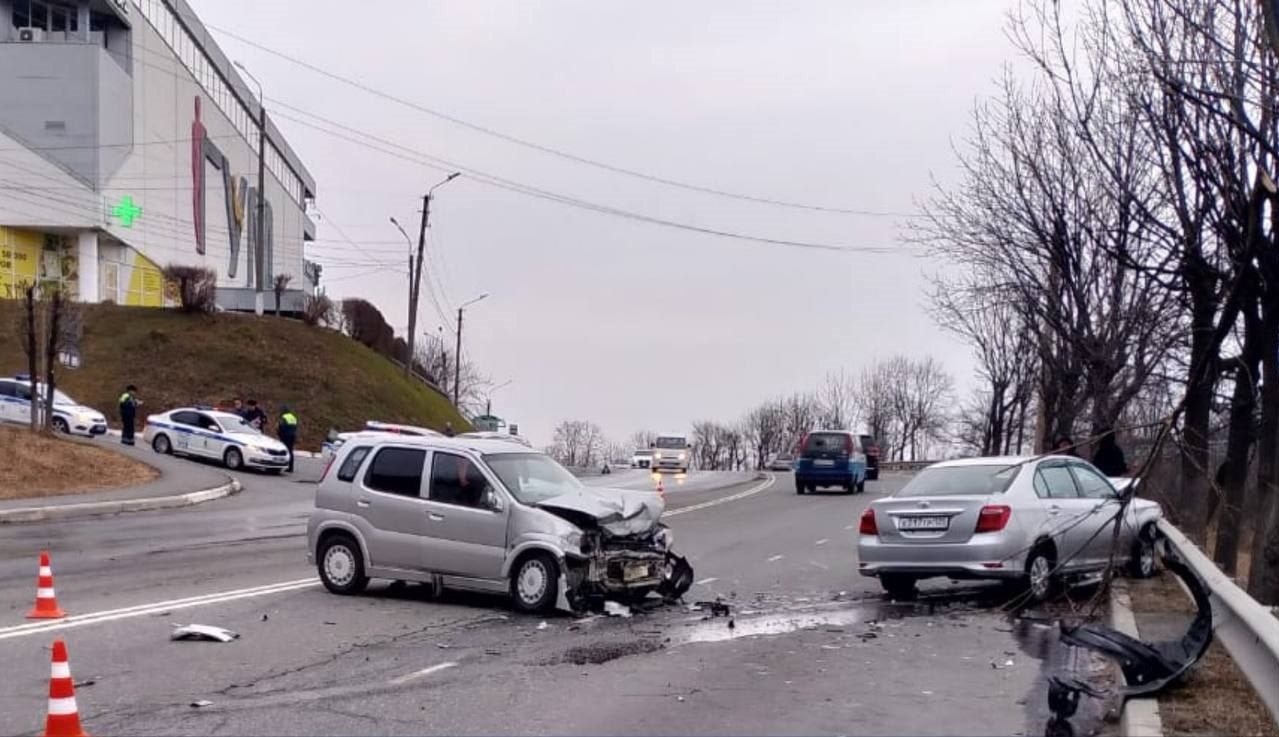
(616, 609)
(201, 703)
(202, 632)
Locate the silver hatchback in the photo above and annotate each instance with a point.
(486, 515)
(1028, 521)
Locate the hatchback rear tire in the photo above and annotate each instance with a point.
(799, 487)
(341, 565)
(535, 583)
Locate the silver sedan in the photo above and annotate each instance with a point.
(1031, 522)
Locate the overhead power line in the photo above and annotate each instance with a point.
(547, 149)
(367, 139)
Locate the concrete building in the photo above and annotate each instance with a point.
(129, 141)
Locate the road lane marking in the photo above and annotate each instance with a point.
(822, 566)
(724, 500)
(421, 673)
(705, 581)
(776, 558)
(142, 610)
(823, 541)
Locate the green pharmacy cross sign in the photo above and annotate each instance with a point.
(126, 212)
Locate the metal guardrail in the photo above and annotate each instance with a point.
(1247, 629)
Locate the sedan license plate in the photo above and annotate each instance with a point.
(824, 462)
(923, 523)
(635, 571)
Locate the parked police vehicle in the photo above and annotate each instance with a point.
(220, 436)
(69, 416)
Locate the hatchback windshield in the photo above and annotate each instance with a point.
(532, 477)
(961, 480)
(671, 443)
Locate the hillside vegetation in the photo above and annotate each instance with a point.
(177, 359)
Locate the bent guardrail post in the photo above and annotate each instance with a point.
(1249, 632)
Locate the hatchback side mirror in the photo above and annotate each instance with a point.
(492, 500)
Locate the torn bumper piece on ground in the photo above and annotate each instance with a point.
(202, 632)
(1148, 668)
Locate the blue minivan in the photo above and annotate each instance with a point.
(830, 458)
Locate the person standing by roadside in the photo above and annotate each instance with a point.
(128, 413)
(1109, 458)
(254, 415)
(288, 431)
(1064, 447)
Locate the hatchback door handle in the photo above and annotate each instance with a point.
(363, 503)
(435, 517)
(1054, 509)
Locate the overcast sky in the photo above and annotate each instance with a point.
(850, 104)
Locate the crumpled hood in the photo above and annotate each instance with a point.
(619, 512)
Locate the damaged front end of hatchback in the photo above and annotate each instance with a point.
(625, 554)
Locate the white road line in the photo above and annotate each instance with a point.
(421, 673)
(822, 566)
(705, 581)
(725, 500)
(823, 541)
(776, 558)
(142, 610)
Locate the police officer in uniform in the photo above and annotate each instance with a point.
(288, 431)
(128, 413)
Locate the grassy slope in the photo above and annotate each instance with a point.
(329, 380)
(38, 465)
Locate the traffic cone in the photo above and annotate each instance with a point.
(46, 601)
(64, 718)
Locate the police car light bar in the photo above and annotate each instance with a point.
(22, 377)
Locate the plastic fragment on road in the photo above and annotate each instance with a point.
(543, 626)
(200, 704)
(614, 609)
(202, 632)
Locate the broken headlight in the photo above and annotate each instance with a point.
(664, 538)
(571, 540)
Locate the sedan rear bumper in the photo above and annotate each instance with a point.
(983, 556)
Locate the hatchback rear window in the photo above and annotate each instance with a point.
(826, 442)
(961, 481)
(351, 465)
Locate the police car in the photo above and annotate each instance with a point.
(220, 436)
(69, 416)
(374, 429)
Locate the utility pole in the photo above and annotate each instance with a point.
(415, 284)
(259, 250)
(457, 354)
(415, 269)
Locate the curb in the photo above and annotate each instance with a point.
(1139, 717)
(94, 509)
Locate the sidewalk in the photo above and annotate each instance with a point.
(181, 483)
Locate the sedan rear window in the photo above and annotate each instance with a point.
(961, 481)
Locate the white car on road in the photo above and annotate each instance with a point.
(219, 436)
(69, 416)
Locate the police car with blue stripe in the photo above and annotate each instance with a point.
(221, 436)
(69, 416)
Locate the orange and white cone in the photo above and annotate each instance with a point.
(64, 718)
(46, 600)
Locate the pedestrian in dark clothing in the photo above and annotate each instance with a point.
(254, 415)
(1109, 459)
(288, 431)
(128, 414)
(237, 407)
(1064, 446)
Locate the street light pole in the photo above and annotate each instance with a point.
(412, 303)
(415, 269)
(488, 404)
(259, 297)
(457, 355)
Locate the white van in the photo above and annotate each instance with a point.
(672, 452)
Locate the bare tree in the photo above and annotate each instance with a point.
(764, 431)
(837, 400)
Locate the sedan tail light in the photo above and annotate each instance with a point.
(868, 526)
(993, 518)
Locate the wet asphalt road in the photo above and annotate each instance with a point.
(814, 648)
